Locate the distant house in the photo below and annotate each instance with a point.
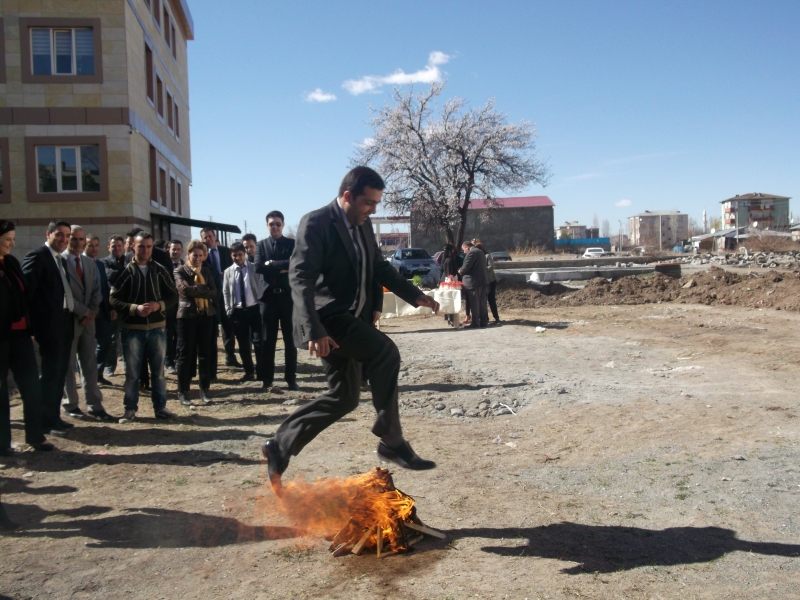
(658, 229)
(768, 210)
(513, 223)
(571, 230)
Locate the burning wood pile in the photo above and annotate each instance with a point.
(359, 513)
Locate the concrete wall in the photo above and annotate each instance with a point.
(499, 229)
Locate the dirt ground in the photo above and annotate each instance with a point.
(652, 453)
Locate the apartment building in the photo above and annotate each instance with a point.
(771, 212)
(571, 230)
(658, 229)
(94, 116)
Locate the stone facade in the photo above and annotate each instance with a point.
(519, 223)
(110, 108)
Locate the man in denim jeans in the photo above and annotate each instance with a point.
(141, 295)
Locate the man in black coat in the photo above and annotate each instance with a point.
(475, 282)
(272, 263)
(336, 274)
(52, 304)
(114, 265)
(219, 259)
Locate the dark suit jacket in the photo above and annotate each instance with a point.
(47, 292)
(114, 267)
(272, 275)
(225, 261)
(105, 290)
(474, 274)
(324, 278)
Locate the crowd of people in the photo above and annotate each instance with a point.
(147, 305)
(474, 267)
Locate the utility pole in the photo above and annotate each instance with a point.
(245, 225)
(620, 234)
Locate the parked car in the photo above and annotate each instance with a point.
(412, 261)
(500, 256)
(437, 258)
(594, 253)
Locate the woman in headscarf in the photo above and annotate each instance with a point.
(16, 350)
(195, 322)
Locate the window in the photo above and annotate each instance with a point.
(62, 51)
(157, 12)
(147, 3)
(148, 67)
(170, 105)
(166, 29)
(162, 186)
(174, 46)
(153, 177)
(177, 123)
(159, 97)
(68, 168)
(180, 204)
(5, 177)
(172, 193)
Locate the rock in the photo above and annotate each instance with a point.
(483, 406)
(686, 394)
(511, 444)
(738, 457)
(689, 284)
(456, 412)
(610, 365)
(440, 406)
(726, 479)
(513, 436)
(501, 411)
(472, 413)
(540, 330)
(290, 402)
(28, 474)
(497, 440)
(562, 391)
(275, 390)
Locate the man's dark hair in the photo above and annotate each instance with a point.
(159, 244)
(359, 178)
(466, 244)
(175, 242)
(251, 236)
(238, 247)
(211, 229)
(134, 232)
(116, 238)
(143, 235)
(55, 224)
(275, 214)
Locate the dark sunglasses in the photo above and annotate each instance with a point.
(275, 224)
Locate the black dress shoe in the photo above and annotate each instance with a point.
(276, 464)
(103, 381)
(75, 413)
(8, 452)
(43, 447)
(405, 457)
(247, 377)
(101, 415)
(293, 386)
(265, 387)
(232, 362)
(64, 425)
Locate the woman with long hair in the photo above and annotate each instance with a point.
(491, 296)
(195, 322)
(16, 350)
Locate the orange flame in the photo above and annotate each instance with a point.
(349, 507)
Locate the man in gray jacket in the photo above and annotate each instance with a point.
(85, 285)
(475, 282)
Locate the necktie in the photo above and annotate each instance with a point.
(242, 295)
(79, 270)
(362, 273)
(70, 305)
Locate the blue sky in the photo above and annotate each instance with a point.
(638, 105)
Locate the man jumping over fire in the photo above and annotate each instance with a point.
(336, 274)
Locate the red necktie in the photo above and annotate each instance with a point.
(78, 268)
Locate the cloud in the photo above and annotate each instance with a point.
(319, 96)
(370, 83)
(592, 175)
(622, 203)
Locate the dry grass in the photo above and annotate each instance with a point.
(531, 250)
(770, 243)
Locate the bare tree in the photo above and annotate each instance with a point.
(434, 166)
(595, 222)
(606, 230)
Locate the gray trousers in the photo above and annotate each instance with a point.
(478, 306)
(84, 346)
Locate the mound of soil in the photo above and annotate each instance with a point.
(780, 291)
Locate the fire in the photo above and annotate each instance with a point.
(360, 512)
